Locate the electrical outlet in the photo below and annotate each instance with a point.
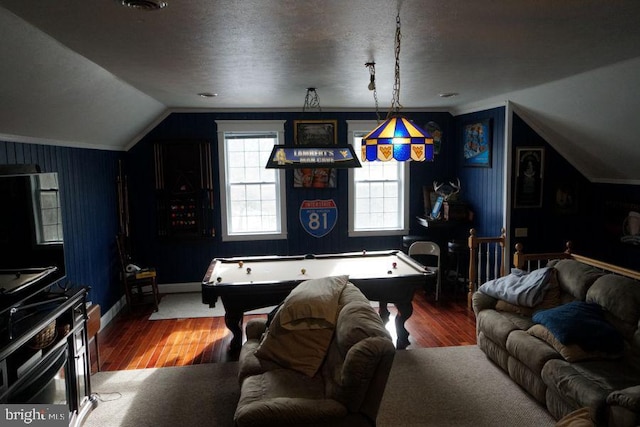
(522, 232)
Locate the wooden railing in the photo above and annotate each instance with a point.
(487, 260)
(530, 262)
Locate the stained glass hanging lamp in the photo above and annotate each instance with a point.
(397, 138)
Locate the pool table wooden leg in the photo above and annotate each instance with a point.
(383, 311)
(405, 310)
(233, 320)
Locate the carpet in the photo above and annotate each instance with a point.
(445, 386)
(189, 305)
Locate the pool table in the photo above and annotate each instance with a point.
(247, 283)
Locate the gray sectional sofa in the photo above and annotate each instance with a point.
(561, 375)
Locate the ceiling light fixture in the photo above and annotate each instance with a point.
(144, 4)
(397, 137)
(311, 100)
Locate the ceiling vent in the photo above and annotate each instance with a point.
(144, 4)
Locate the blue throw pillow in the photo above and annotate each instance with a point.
(581, 323)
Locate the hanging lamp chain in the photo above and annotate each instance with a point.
(395, 101)
(372, 86)
(311, 100)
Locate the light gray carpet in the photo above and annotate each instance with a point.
(448, 386)
(189, 305)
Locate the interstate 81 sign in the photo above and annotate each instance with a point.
(318, 217)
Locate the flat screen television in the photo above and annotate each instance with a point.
(31, 236)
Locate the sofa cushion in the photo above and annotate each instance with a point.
(285, 397)
(313, 304)
(302, 328)
(587, 384)
(498, 325)
(570, 352)
(574, 277)
(581, 323)
(620, 297)
(530, 351)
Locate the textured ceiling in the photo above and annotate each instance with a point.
(93, 73)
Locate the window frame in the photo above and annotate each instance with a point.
(364, 126)
(249, 126)
(41, 186)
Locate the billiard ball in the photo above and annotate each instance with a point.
(389, 272)
(395, 265)
(219, 279)
(240, 264)
(248, 270)
(303, 271)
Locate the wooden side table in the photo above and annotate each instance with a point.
(93, 327)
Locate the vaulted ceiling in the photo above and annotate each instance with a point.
(94, 73)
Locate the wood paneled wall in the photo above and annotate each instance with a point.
(87, 189)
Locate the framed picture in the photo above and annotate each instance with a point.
(529, 177)
(566, 197)
(477, 144)
(315, 132)
(314, 178)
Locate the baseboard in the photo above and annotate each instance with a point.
(107, 317)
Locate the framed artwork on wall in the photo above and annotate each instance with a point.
(315, 132)
(566, 197)
(476, 142)
(529, 177)
(314, 178)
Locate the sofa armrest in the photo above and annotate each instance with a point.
(483, 302)
(255, 328)
(628, 398)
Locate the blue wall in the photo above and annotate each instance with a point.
(592, 222)
(88, 194)
(186, 260)
(88, 191)
(483, 187)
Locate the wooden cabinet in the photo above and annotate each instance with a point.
(184, 189)
(44, 357)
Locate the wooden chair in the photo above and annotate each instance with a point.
(137, 284)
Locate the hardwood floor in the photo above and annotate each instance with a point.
(132, 342)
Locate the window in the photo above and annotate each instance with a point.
(47, 210)
(253, 198)
(378, 192)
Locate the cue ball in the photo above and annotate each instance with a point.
(303, 271)
(248, 270)
(240, 264)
